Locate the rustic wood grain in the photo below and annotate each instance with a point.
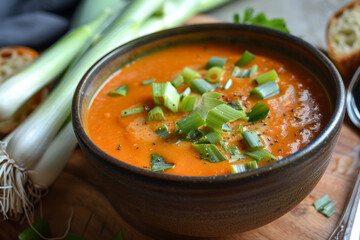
(82, 189)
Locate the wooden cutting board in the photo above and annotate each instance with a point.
(81, 189)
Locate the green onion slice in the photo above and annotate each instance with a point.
(185, 93)
(261, 154)
(211, 137)
(188, 103)
(201, 86)
(236, 104)
(244, 73)
(222, 114)
(189, 74)
(162, 131)
(266, 77)
(216, 62)
(41, 226)
(252, 139)
(236, 158)
(155, 114)
(266, 90)
(190, 122)
(258, 112)
(194, 135)
(214, 75)
(147, 82)
(158, 163)
(224, 146)
(325, 206)
(226, 128)
(129, 112)
(228, 84)
(122, 91)
(158, 90)
(208, 101)
(328, 209)
(238, 168)
(179, 80)
(171, 97)
(245, 59)
(209, 152)
(321, 202)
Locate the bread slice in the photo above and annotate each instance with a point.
(343, 39)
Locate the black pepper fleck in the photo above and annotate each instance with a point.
(292, 110)
(298, 119)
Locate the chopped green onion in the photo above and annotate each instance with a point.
(236, 104)
(119, 236)
(208, 101)
(171, 97)
(129, 112)
(41, 226)
(214, 75)
(190, 122)
(162, 131)
(325, 206)
(216, 62)
(158, 90)
(226, 128)
(266, 90)
(188, 103)
(237, 157)
(224, 145)
(266, 77)
(245, 59)
(261, 154)
(73, 236)
(234, 150)
(238, 168)
(185, 93)
(158, 163)
(122, 91)
(222, 114)
(258, 112)
(189, 75)
(244, 73)
(194, 135)
(147, 82)
(209, 152)
(155, 114)
(201, 86)
(179, 80)
(252, 139)
(211, 137)
(228, 84)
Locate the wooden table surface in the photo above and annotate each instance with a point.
(82, 189)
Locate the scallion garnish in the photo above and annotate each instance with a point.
(236, 104)
(158, 163)
(234, 150)
(261, 154)
(208, 101)
(209, 152)
(216, 62)
(325, 206)
(190, 122)
(224, 146)
(258, 112)
(185, 93)
(147, 82)
(194, 135)
(122, 91)
(179, 80)
(266, 77)
(222, 114)
(211, 137)
(162, 131)
(158, 90)
(252, 139)
(226, 128)
(228, 84)
(266, 90)
(237, 157)
(41, 226)
(188, 103)
(189, 75)
(214, 74)
(171, 97)
(238, 168)
(245, 59)
(155, 114)
(201, 86)
(244, 73)
(129, 112)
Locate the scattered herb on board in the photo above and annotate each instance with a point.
(325, 206)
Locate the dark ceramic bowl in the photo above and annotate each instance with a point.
(173, 207)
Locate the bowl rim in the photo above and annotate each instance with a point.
(329, 130)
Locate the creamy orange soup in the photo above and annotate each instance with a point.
(296, 116)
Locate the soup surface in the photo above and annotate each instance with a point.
(297, 114)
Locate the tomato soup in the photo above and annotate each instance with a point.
(297, 113)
